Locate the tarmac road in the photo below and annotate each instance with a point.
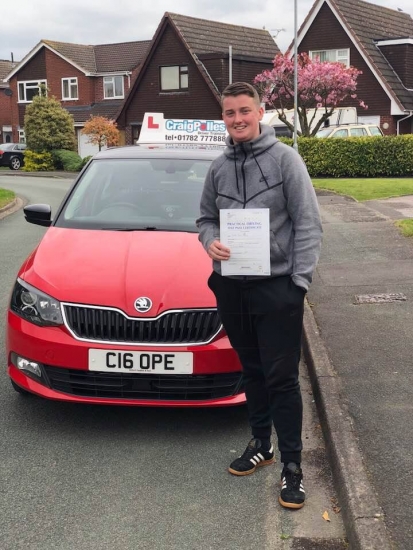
(91, 478)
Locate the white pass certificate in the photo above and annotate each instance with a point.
(247, 234)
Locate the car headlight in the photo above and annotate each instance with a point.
(35, 306)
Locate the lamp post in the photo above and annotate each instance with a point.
(295, 144)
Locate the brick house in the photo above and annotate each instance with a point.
(187, 66)
(5, 102)
(375, 40)
(87, 80)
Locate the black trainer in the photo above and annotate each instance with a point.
(292, 490)
(253, 456)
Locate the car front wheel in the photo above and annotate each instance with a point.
(15, 163)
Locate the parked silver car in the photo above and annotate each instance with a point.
(349, 130)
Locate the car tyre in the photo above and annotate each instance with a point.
(18, 389)
(15, 163)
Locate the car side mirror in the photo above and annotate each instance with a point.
(39, 214)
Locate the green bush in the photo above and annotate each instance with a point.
(37, 162)
(48, 125)
(370, 157)
(66, 160)
(85, 160)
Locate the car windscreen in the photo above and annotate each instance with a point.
(375, 131)
(136, 194)
(324, 133)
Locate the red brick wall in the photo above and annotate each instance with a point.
(46, 65)
(56, 69)
(388, 119)
(5, 111)
(15, 114)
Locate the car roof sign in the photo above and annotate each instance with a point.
(157, 129)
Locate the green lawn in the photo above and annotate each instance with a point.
(364, 189)
(406, 227)
(367, 189)
(6, 196)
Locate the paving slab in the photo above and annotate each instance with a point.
(368, 347)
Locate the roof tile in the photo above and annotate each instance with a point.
(107, 109)
(5, 68)
(203, 36)
(123, 56)
(102, 58)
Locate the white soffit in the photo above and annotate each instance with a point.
(395, 42)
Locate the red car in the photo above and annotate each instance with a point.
(113, 306)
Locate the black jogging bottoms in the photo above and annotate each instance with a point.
(263, 319)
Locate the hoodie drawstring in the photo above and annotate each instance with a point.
(236, 173)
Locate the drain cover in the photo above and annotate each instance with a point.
(379, 298)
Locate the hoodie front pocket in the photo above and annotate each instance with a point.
(277, 253)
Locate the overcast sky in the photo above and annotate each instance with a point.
(104, 21)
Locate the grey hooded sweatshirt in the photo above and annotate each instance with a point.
(265, 173)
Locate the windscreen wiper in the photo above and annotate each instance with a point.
(149, 228)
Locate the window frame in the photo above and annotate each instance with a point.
(183, 70)
(343, 58)
(69, 80)
(112, 79)
(24, 83)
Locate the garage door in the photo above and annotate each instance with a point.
(85, 149)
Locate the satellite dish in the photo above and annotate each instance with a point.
(8, 92)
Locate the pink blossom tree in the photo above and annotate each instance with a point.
(322, 86)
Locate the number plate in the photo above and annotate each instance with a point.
(138, 361)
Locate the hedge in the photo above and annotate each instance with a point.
(66, 160)
(59, 159)
(366, 157)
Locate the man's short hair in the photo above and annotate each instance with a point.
(241, 88)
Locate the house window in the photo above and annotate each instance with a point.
(340, 56)
(69, 88)
(29, 89)
(113, 87)
(174, 78)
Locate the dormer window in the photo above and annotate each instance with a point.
(29, 89)
(113, 87)
(69, 88)
(174, 78)
(339, 56)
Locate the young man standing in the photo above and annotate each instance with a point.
(263, 315)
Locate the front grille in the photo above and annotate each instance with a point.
(174, 327)
(144, 386)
